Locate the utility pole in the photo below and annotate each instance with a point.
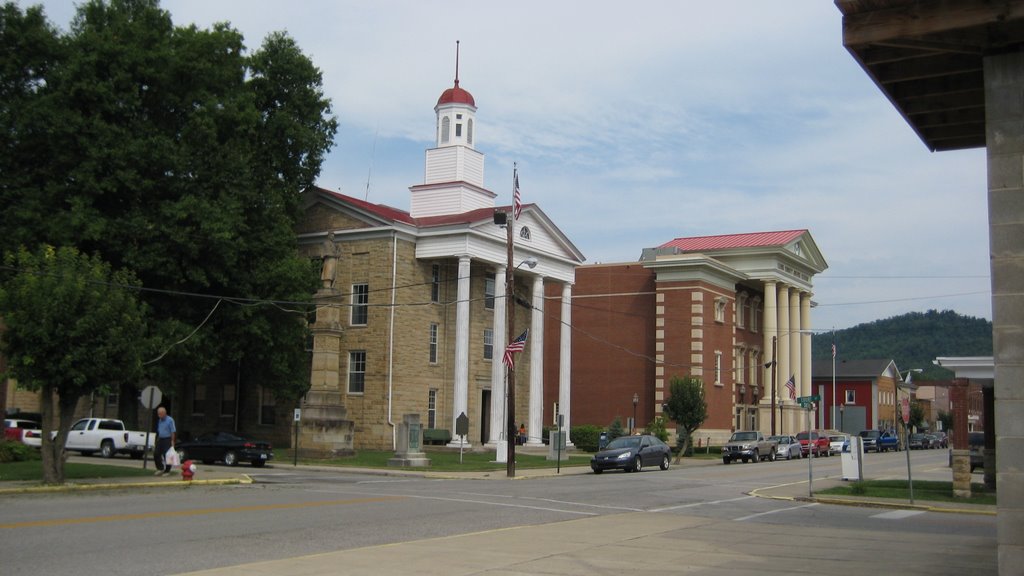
(774, 394)
(510, 371)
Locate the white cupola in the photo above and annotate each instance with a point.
(454, 172)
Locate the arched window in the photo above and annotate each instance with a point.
(524, 233)
(469, 131)
(446, 126)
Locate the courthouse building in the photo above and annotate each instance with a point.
(411, 316)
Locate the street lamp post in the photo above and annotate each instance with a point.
(636, 400)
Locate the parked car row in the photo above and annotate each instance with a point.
(922, 441)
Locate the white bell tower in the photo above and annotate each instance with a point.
(454, 175)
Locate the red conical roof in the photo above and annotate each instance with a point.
(456, 95)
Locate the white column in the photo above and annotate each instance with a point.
(565, 361)
(769, 319)
(460, 391)
(497, 366)
(535, 422)
(795, 340)
(783, 351)
(805, 348)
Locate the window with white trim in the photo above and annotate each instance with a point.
(432, 408)
(851, 396)
(489, 292)
(446, 126)
(268, 406)
(435, 283)
(357, 371)
(720, 310)
(360, 304)
(432, 346)
(488, 344)
(739, 362)
(718, 367)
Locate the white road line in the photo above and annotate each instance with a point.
(483, 502)
(695, 504)
(744, 518)
(382, 481)
(898, 514)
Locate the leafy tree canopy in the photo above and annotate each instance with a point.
(175, 153)
(913, 340)
(686, 406)
(71, 328)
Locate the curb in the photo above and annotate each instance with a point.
(244, 479)
(872, 503)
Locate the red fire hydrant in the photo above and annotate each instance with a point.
(188, 470)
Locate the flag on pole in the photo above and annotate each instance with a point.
(517, 201)
(516, 345)
(833, 350)
(791, 386)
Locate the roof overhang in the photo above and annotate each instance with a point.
(927, 58)
(970, 367)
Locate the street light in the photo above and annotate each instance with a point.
(636, 400)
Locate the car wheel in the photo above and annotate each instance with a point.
(597, 470)
(230, 458)
(638, 464)
(771, 456)
(757, 457)
(664, 462)
(726, 461)
(107, 449)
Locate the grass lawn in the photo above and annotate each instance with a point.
(440, 460)
(32, 470)
(923, 490)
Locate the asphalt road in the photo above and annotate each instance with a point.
(294, 512)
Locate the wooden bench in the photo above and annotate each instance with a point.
(436, 436)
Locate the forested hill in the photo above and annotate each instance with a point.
(913, 340)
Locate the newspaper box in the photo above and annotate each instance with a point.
(852, 458)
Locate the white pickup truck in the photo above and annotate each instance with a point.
(106, 436)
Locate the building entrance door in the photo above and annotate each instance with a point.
(485, 416)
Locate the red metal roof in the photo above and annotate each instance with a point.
(727, 241)
(381, 210)
(396, 215)
(456, 95)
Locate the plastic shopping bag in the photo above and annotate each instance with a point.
(171, 458)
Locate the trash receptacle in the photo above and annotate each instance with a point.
(602, 440)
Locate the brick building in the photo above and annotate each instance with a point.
(713, 307)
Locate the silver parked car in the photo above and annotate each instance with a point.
(789, 447)
(838, 443)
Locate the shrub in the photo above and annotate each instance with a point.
(17, 452)
(657, 428)
(615, 430)
(585, 437)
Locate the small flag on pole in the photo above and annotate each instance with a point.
(833, 350)
(517, 201)
(516, 345)
(791, 386)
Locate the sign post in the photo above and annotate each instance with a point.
(298, 418)
(558, 465)
(906, 436)
(462, 430)
(150, 398)
(807, 403)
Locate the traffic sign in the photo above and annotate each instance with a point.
(906, 410)
(809, 399)
(151, 397)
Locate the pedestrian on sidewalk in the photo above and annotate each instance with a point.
(166, 434)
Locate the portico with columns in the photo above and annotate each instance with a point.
(431, 287)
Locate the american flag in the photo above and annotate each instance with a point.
(791, 386)
(833, 350)
(517, 201)
(516, 345)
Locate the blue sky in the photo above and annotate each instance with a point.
(636, 123)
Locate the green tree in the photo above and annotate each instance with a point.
(178, 154)
(916, 415)
(657, 428)
(615, 429)
(72, 327)
(946, 419)
(687, 407)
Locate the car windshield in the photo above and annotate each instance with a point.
(623, 442)
(802, 436)
(869, 433)
(744, 436)
(780, 439)
(837, 438)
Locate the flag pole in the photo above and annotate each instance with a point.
(510, 315)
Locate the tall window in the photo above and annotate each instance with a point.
(755, 316)
(268, 405)
(228, 394)
(718, 367)
(720, 310)
(742, 308)
(851, 396)
(446, 126)
(489, 292)
(435, 283)
(199, 399)
(469, 131)
(432, 353)
(356, 371)
(754, 368)
(360, 302)
(488, 344)
(740, 363)
(432, 408)
(112, 399)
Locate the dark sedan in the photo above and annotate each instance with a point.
(632, 453)
(227, 448)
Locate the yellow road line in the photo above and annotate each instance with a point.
(194, 512)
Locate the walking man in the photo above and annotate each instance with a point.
(166, 434)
